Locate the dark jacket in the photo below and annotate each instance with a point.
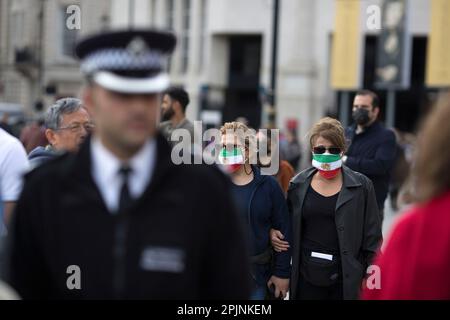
(180, 240)
(267, 209)
(372, 153)
(39, 155)
(358, 224)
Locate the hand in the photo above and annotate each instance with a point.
(281, 286)
(278, 244)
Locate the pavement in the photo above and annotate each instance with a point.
(391, 217)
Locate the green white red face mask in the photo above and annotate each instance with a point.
(328, 164)
(232, 160)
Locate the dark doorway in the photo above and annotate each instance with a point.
(414, 103)
(411, 104)
(242, 93)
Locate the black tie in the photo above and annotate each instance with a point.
(125, 199)
(120, 246)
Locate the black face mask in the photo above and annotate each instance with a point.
(361, 116)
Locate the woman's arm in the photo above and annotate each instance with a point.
(281, 221)
(276, 239)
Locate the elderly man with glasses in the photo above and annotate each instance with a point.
(67, 125)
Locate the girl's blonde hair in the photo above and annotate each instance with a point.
(246, 136)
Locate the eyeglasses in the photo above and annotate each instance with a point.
(322, 150)
(77, 127)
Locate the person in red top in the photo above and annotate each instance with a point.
(416, 262)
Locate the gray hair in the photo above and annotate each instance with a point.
(61, 107)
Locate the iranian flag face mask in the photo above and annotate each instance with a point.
(232, 159)
(328, 164)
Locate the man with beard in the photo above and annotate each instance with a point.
(372, 146)
(174, 104)
(67, 125)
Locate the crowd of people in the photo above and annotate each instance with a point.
(104, 196)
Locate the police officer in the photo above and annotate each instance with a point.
(118, 219)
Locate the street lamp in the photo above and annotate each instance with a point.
(271, 112)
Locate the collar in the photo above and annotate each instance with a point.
(349, 182)
(349, 179)
(79, 169)
(373, 126)
(79, 165)
(110, 164)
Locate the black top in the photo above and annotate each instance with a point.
(319, 227)
(242, 196)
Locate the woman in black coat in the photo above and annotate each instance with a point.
(335, 221)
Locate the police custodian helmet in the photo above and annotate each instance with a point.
(127, 61)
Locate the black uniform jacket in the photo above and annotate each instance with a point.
(180, 240)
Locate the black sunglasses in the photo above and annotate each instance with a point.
(322, 150)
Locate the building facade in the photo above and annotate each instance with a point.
(223, 55)
(37, 64)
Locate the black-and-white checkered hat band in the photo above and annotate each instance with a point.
(121, 60)
(129, 61)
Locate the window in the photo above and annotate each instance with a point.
(153, 13)
(16, 25)
(203, 35)
(170, 17)
(17, 30)
(185, 35)
(170, 14)
(12, 90)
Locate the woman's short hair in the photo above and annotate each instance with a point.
(330, 129)
(432, 167)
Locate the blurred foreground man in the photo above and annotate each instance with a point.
(119, 220)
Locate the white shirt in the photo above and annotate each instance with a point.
(105, 172)
(13, 165)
